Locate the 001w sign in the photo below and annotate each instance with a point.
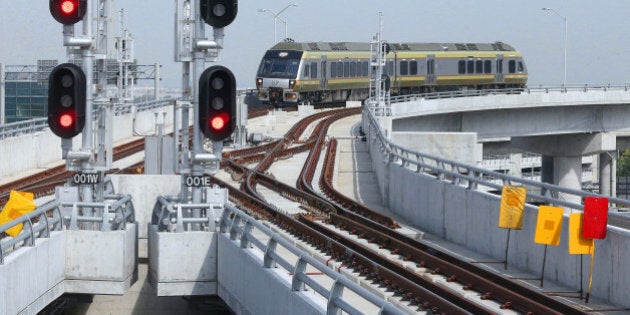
(86, 178)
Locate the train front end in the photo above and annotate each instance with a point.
(276, 80)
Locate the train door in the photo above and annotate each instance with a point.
(499, 77)
(323, 79)
(430, 78)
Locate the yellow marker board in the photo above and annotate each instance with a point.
(512, 207)
(19, 203)
(578, 244)
(549, 225)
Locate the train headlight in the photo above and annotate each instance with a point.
(259, 83)
(292, 84)
(290, 96)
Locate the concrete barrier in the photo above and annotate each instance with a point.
(470, 218)
(249, 288)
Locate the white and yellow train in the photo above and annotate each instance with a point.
(321, 72)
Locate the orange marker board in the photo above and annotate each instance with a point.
(549, 225)
(19, 203)
(578, 245)
(512, 207)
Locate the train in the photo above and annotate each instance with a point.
(291, 73)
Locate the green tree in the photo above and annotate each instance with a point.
(623, 163)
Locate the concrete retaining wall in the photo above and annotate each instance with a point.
(248, 288)
(470, 218)
(41, 149)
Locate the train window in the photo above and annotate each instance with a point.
(461, 67)
(307, 71)
(390, 68)
(404, 67)
(339, 69)
(346, 69)
(333, 69)
(366, 68)
(413, 67)
(353, 69)
(470, 65)
(487, 66)
(520, 66)
(313, 69)
(478, 66)
(512, 66)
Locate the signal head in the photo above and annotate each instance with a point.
(218, 13)
(68, 12)
(217, 103)
(66, 100)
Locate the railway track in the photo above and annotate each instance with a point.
(348, 232)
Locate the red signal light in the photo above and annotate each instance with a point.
(68, 12)
(68, 7)
(66, 120)
(219, 122)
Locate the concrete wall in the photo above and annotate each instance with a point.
(67, 262)
(457, 146)
(470, 218)
(248, 288)
(32, 277)
(39, 150)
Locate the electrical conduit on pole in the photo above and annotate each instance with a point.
(198, 67)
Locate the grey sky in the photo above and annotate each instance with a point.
(598, 50)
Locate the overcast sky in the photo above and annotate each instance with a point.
(598, 36)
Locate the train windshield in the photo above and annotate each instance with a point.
(280, 64)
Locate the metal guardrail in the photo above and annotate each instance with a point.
(39, 124)
(23, 127)
(528, 90)
(474, 177)
(53, 216)
(126, 108)
(37, 224)
(240, 227)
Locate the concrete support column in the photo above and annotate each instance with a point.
(605, 173)
(568, 173)
(516, 164)
(546, 169)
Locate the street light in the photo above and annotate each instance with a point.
(276, 17)
(565, 42)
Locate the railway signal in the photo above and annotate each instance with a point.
(68, 12)
(66, 100)
(218, 13)
(217, 103)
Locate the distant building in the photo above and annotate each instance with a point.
(26, 90)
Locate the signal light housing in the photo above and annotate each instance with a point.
(66, 100)
(68, 12)
(217, 103)
(218, 13)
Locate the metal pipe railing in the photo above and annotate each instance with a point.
(48, 219)
(239, 226)
(475, 177)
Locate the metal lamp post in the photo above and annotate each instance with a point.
(565, 42)
(275, 21)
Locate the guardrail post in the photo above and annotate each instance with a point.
(180, 219)
(234, 230)
(335, 294)
(300, 268)
(271, 247)
(73, 217)
(246, 232)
